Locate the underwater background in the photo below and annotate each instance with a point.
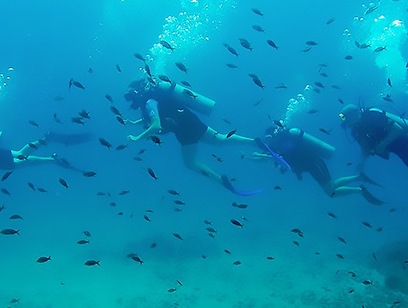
(45, 44)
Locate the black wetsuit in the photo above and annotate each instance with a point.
(174, 117)
(373, 127)
(6, 159)
(300, 157)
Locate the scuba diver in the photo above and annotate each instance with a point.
(377, 132)
(297, 151)
(167, 107)
(14, 159)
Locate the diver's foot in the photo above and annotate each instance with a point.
(227, 184)
(369, 197)
(365, 178)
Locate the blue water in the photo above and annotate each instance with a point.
(46, 43)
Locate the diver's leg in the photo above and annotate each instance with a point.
(346, 180)
(211, 136)
(189, 153)
(32, 160)
(29, 148)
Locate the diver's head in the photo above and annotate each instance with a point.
(136, 91)
(349, 115)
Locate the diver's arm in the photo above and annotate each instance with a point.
(154, 128)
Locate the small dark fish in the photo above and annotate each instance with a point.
(56, 119)
(92, 263)
(207, 222)
(149, 73)
(257, 12)
(270, 258)
(166, 45)
(118, 68)
(120, 120)
(84, 114)
(156, 139)
(164, 78)
(109, 98)
(82, 242)
(34, 123)
(43, 259)
(179, 282)
(258, 28)
(2, 207)
(153, 245)
(313, 111)
(32, 145)
(237, 223)
(332, 215)
(152, 174)
(9, 232)
(42, 190)
(296, 243)
(123, 192)
(311, 43)
(380, 48)
(367, 224)
(244, 43)
(189, 93)
(231, 133)
(258, 82)
(281, 86)
(90, 70)
(230, 65)
(231, 50)
(342, 240)
(6, 175)
(181, 67)
(367, 282)
(389, 82)
(340, 101)
(374, 256)
(87, 233)
(306, 49)
(121, 147)
(319, 84)
(15, 216)
(78, 120)
(105, 143)
(227, 251)
(348, 57)
(272, 44)
(179, 202)
(5, 191)
(173, 192)
(186, 84)
(178, 236)
(139, 57)
(63, 182)
(325, 131)
(77, 84)
(211, 230)
(340, 256)
(277, 187)
(171, 290)
(329, 21)
(147, 218)
(137, 259)
(239, 205)
(237, 263)
(14, 301)
(89, 174)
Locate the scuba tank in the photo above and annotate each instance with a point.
(316, 145)
(187, 97)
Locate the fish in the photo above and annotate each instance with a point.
(139, 57)
(82, 242)
(272, 44)
(319, 84)
(105, 143)
(173, 192)
(257, 12)
(236, 223)
(348, 57)
(239, 205)
(367, 224)
(63, 182)
(258, 28)
(171, 290)
(120, 120)
(78, 120)
(2, 207)
(42, 190)
(137, 259)
(296, 243)
(389, 82)
(89, 174)
(230, 65)
(10, 232)
(181, 67)
(332, 215)
(231, 133)
(5, 191)
(237, 262)
(179, 202)
(330, 20)
(311, 43)
(231, 50)
(325, 131)
(370, 9)
(15, 216)
(189, 93)
(123, 192)
(156, 139)
(149, 73)
(87, 233)
(152, 174)
(43, 259)
(367, 282)
(147, 218)
(34, 123)
(342, 240)
(340, 256)
(90, 70)
(227, 251)
(258, 82)
(118, 68)
(109, 98)
(244, 43)
(56, 119)
(281, 86)
(6, 175)
(306, 49)
(77, 84)
(164, 78)
(153, 245)
(166, 45)
(186, 84)
(380, 48)
(84, 114)
(92, 263)
(177, 236)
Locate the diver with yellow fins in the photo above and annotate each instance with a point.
(297, 151)
(167, 107)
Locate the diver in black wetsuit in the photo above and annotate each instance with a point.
(168, 108)
(306, 153)
(377, 132)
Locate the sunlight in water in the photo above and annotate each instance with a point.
(189, 29)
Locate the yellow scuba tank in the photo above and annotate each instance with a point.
(318, 146)
(187, 97)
